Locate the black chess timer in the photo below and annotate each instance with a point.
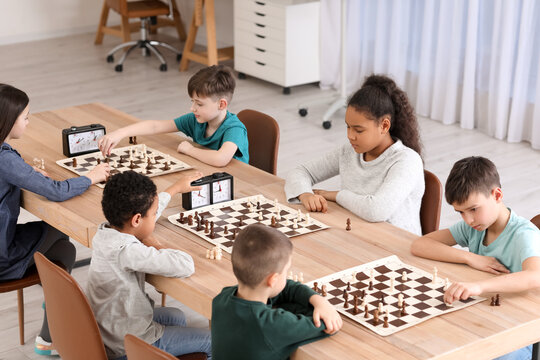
(215, 188)
(79, 140)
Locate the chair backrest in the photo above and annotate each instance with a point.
(430, 210)
(71, 320)
(137, 349)
(263, 137)
(536, 221)
(135, 9)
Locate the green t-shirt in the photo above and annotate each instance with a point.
(231, 129)
(519, 240)
(243, 329)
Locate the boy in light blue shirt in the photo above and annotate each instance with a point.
(209, 123)
(499, 241)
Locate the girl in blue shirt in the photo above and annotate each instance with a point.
(19, 242)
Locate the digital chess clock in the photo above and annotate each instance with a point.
(79, 140)
(216, 188)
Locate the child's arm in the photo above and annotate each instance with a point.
(183, 184)
(438, 245)
(322, 310)
(528, 278)
(148, 127)
(217, 158)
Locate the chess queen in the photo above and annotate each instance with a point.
(19, 242)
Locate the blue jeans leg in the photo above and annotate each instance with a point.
(177, 338)
(524, 353)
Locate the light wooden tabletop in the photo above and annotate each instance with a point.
(479, 331)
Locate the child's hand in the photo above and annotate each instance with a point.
(107, 142)
(313, 202)
(322, 310)
(184, 147)
(462, 291)
(100, 173)
(42, 172)
(328, 195)
(486, 263)
(183, 184)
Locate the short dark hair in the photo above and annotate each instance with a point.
(215, 80)
(12, 103)
(259, 251)
(125, 195)
(474, 174)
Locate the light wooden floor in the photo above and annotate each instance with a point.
(70, 71)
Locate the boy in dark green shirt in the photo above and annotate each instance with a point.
(266, 316)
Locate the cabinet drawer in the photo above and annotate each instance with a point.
(259, 41)
(261, 8)
(259, 70)
(259, 18)
(260, 55)
(260, 29)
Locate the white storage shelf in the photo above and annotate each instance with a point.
(277, 40)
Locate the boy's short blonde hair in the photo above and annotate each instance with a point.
(474, 174)
(215, 81)
(259, 251)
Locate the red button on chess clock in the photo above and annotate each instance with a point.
(79, 140)
(216, 188)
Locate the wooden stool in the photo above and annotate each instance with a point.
(124, 30)
(212, 54)
(6, 286)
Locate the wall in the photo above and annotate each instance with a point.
(28, 20)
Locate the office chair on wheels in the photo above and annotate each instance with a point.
(147, 10)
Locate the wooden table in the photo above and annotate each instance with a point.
(479, 331)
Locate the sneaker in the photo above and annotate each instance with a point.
(43, 347)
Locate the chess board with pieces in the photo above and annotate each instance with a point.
(395, 295)
(219, 223)
(139, 158)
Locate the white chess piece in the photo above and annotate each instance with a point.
(260, 216)
(290, 277)
(308, 219)
(296, 278)
(42, 164)
(400, 300)
(404, 276)
(392, 287)
(446, 284)
(287, 222)
(380, 308)
(371, 275)
(364, 302)
(207, 254)
(435, 272)
(295, 224)
(301, 277)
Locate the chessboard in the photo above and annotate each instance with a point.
(126, 158)
(423, 297)
(227, 218)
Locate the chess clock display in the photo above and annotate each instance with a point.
(216, 188)
(79, 140)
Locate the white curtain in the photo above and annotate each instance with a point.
(475, 62)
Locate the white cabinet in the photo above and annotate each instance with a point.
(277, 40)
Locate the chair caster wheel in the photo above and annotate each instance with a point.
(327, 124)
(286, 91)
(242, 76)
(302, 112)
(110, 58)
(118, 68)
(178, 57)
(163, 67)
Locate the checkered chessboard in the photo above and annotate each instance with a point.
(423, 297)
(121, 162)
(228, 214)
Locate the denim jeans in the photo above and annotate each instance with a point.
(177, 338)
(520, 354)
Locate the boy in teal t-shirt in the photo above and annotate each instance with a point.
(209, 123)
(499, 241)
(266, 316)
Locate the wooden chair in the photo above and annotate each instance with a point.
(263, 137)
(71, 320)
(430, 210)
(32, 278)
(132, 10)
(137, 349)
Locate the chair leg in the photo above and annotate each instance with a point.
(102, 23)
(20, 305)
(165, 45)
(178, 22)
(126, 30)
(190, 42)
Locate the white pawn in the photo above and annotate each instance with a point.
(295, 224)
(296, 278)
(301, 277)
(287, 222)
(400, 300)
(42, 164)
(435, 273)
(392, 288)
(219, 256)
(404, 276)
(290, 277)
(380, 308)
(207, 254)
(260, 216)
(212, 256)
(299, 215)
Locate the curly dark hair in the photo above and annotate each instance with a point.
(215, 80)
(12, 103)
(125, 195)
(473, 174)
(380, 96)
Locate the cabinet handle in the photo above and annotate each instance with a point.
(260, 63)
(260, 14)
(260, 36)
(260, 3)
(260, 25)
(259, 49)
